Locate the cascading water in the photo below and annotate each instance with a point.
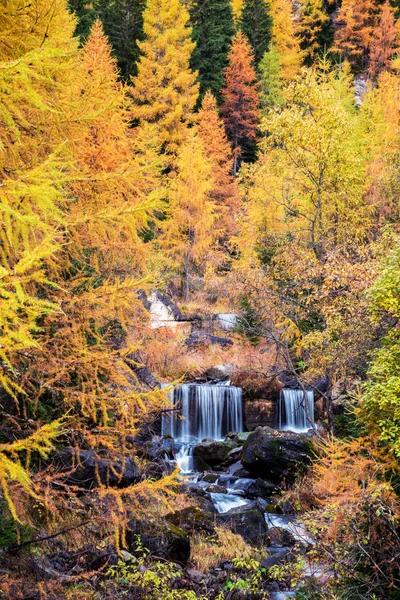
(292, 410)
(201, 411)
(204, 411)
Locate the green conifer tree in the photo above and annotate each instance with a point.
(270, 75)
(213, 29)
(256, 24)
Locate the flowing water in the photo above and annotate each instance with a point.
(225, 502)
(292, 410)
(204, 411)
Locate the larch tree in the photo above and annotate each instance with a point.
(123, 24)
(241, 99)
(213, 29)
(256, 24)
(314, 29)
(270, 76)
(237, 7)
(165, 89)
(356, 22)
(385, 42)
(218, 151)
(189, 234)
(284, 38)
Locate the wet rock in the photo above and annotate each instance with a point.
(210, 477)
(276, 455)
(162, 538)
(212, 452)
(237, 470)
(248, 521)
(277, 536)
(260, 488)
(216, 489)
(87, 468)
(193, 519)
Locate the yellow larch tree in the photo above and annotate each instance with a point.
(165, 89)
(284, 38)
(217, 148)
(237, 7)
(189, 232)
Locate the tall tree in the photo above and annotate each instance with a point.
(123, 24)
(237, 7)
(284, 38)
(314, 29)
(256, 23)
(385, 42)
(189, 231)
(165, 89)
(218, 151)
(356, 22)
(270, 75)
(241, 100)
(213, 29)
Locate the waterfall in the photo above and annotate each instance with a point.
(204, 411)
(292, 412)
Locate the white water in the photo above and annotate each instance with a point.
(204, 411)
(292, 411)
(184, 459)
(225, 502)
(298, 531)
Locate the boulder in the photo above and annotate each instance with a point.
(88, 469)
(280, 537)
(203, 338)
(276, 455)
(248, 521)
(260, 488)
(213, 452)
(193, 519)
(162, 538)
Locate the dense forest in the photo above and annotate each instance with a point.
(200, 228)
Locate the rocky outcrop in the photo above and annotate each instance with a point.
(276, 455)
(212, 453)
(248, 521)
(203, 338)
(162, 538)
(88, 469)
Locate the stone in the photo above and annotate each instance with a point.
(162, 538)
(210, 477)
(248, 521)
(278, 536)
(276, 455)
(195, 576)
(216, 489)
(260, 488)
(194, 519)
(203, 338)
(213, 452)
(260, 412)
(87, 468)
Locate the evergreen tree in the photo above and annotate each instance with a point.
(270, 76)
(123, 24)
(314, 29)
(165, 90)
(217, 149)
(385, 42)
(213, 28)
(241, 101)
(256, 23)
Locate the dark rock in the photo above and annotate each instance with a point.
(195, 576)
(260, 488)
(216, 489)
(87, 468)
(277, 536)
(248, 521)
(193, 519)
(276, 455)
(162, 538)
(212, 452)
(233, 456)
(203, 338)
(237, 470)
(210, 477)
(274, 559)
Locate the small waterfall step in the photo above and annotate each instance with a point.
(204, 411)
(292, 410)
(225, 502)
